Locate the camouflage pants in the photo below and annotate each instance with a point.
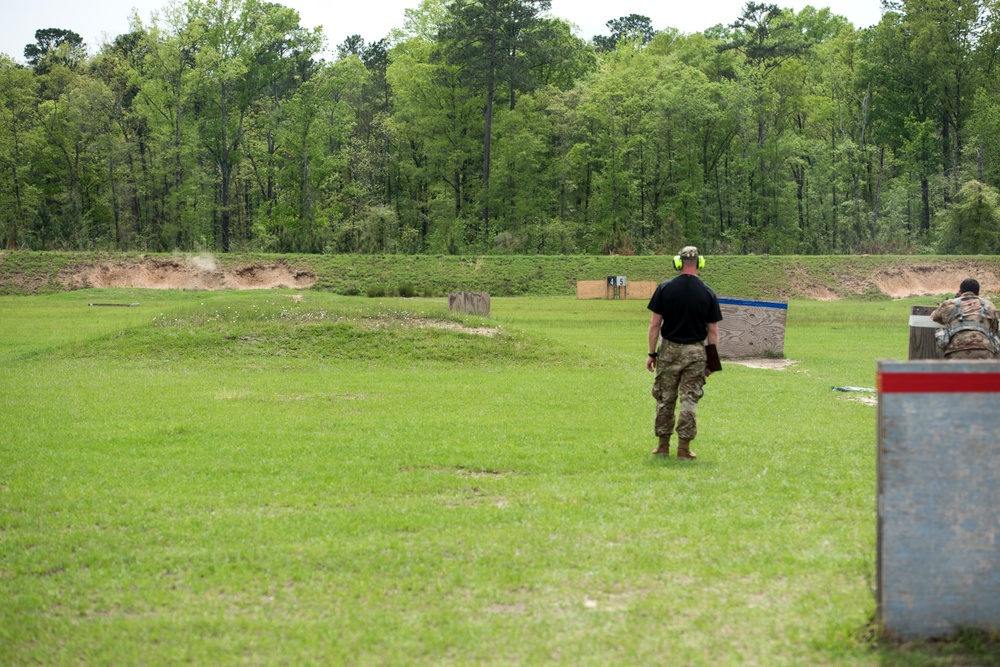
(680, 372)
(969, 354)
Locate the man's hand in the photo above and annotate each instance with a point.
(651, 364)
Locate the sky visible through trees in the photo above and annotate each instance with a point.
(487, 126)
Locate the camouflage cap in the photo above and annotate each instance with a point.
(688, 252)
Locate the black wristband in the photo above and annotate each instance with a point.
(654, 354)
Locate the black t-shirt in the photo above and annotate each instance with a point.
(687, 306)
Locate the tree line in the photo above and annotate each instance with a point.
(490, 126)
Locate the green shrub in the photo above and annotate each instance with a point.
(376, 291)
(407, 291)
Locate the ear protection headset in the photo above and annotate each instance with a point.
(678, 262)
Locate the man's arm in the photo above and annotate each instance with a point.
(654, 337)
(941, 313)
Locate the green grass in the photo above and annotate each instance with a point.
(237, 478)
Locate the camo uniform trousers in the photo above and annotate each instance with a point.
(969, 354)
(680, 372)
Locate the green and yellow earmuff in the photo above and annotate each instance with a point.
(678, 262)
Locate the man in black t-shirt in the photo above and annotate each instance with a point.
(685, 319)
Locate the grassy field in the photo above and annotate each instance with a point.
(243, 478)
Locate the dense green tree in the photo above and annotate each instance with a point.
(166, 157)
(437, 131)
(625, 28)
(55, 46)
(489, 126)
(245, 46)
(487, 40)
(972, 225)
(766, 35)
(18, 142)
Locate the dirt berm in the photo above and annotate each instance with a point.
(200, 272)
(752, 276)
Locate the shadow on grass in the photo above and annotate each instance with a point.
(969, 647)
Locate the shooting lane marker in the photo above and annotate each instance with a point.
(938, 564)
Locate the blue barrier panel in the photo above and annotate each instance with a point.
(727, 301)
(938, 497)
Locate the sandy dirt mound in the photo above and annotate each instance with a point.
(898, 282)
(923, 280)
(190, 273)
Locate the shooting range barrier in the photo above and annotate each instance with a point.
(470, 303)
(752, 328)
(938, 494)
(922, 328)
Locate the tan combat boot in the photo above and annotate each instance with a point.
(684, 451)
(664, 448)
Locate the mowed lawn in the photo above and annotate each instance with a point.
(243, 478)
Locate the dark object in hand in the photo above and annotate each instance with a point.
(712, 358)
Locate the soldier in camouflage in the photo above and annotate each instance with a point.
(970, 325)
(685, 317)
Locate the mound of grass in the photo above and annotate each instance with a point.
(253, 326)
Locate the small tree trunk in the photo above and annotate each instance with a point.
(226, 170)
(925, 194)
(114, 202)
(878, 189)
(490, 87)
(980, 160)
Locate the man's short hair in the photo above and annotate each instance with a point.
(969, 285)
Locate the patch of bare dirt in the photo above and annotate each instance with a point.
(851, 285)
(421, 323)
(820, 293)
(867, 400)
(489, 332)
(199, 272)
(767, 364)
(806, 286)
(927, 280)
(899, 282)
